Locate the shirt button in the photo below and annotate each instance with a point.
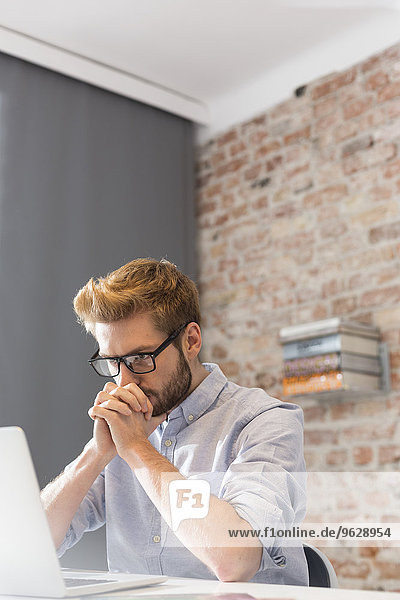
(156, 539)
(167, 442)
(190, 418)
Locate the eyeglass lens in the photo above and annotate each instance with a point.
(109, 367)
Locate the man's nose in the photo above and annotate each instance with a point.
(126, 376)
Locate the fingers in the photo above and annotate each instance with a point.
(148, 414)
(110, 404)
(123, 400)
(124, 395)
(137, 393)
(109, 387)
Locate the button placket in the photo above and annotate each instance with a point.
(168, 441)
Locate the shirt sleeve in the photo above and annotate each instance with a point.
(266, 482)
(89, 516)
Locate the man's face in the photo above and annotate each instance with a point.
(165, 387)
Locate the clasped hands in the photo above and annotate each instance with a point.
(123, 418)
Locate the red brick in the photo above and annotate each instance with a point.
(393, 108)
(332, 193)
(230, 368)
(369, 431)
(226, 138)
(297, 153)
(257, 137)
(395, 380)
(392, 169)
(325, 107)
(232, 182)
(395, 359)
(388, 92)
(334, 83)
(359, 144)
(219, 352)
(231, 167)
(206, 207)
(327, 122)
(336, 457)
(371, 119)
(310, 458)
(213, 191)
(285, 210)
(392, 53)
(389, 454)
(362, 455)
(380, 297)
(371, 63)
(353, 569)
(298, 170)
(260, 203)
(385, 232)
(228, 200)
(369, 408)
(318, 437)
(346, 130)
(301, 183)
(217, 159)
(356, 108)
(298, 135)
(237, 148)
(239, 211)
(266, 149)
(353, 163)
(254, 123)
(342, 410)
(332, 228)
(368, 551)
(252, 173)
(380, 193)
(377, 80)
(319, 312)
(387, 570)
(273, 163)
(314, 413)
(369, 158)
(344, 305)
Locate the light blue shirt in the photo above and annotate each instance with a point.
(239, 439)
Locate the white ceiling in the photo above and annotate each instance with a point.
(213, 61)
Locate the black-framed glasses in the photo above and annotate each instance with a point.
(140, 363)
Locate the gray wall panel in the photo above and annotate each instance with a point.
(88, 181)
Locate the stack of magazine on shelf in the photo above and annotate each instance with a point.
(333, 354)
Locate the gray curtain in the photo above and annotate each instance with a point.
(88, 181)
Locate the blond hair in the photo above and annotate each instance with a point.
(142, 285)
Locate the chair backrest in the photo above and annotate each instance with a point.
(320, 570)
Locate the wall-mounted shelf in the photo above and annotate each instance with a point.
(334, 359)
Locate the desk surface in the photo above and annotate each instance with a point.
(173, 587)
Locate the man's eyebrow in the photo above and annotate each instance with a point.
(140, 350)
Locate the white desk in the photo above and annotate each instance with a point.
(174, 586)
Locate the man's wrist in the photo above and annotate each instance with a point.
(137, 452)
(96, 457)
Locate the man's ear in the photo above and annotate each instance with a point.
(192, 340)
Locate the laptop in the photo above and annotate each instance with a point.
(28, 561)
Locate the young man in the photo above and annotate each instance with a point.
(168, 417)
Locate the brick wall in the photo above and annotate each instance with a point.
(299, 220)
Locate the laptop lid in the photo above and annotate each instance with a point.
(28, 561)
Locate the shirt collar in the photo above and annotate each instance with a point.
(202, 397)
